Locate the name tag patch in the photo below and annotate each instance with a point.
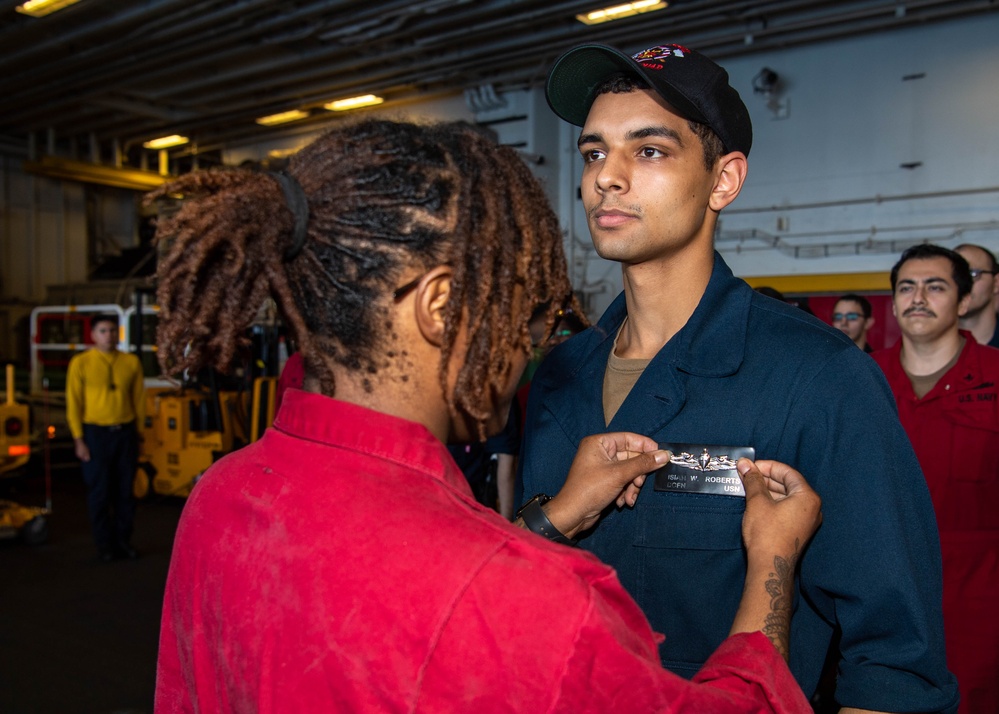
(703, 468)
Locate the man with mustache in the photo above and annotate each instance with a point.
(691, 356)
(946, 386)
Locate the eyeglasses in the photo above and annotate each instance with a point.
(401, 292)
(848, 316)
(537, 324)
(976, 273)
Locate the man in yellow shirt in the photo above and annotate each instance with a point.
(105, 400)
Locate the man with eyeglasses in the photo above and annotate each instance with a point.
(980, 319)
(852, 317)
(946, 386)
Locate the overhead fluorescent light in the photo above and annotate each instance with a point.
(342, 105)
(620, 11)
(41, 8)
(282, 118)
(165, 142)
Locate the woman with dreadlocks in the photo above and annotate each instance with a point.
(341, 563)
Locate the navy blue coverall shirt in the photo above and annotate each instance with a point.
(747, 370)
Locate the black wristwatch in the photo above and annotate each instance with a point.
(537, 522)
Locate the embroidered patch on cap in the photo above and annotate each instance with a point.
(659, 53)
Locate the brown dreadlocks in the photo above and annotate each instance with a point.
(383, 198)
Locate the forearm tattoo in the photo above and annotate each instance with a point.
(780, 587)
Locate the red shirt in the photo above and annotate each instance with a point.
(954, 430)
(342, 564)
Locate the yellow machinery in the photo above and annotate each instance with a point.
(187, 429)
(15, 438)
(27, 522)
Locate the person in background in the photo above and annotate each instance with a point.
(946, 387)
(105, 403)
(770, 292)
(569, 323)
(980, 319)
(692, 357)
(799, 302)
(491, 465)
(340, 563)
(852, 316)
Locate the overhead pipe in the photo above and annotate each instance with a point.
(765, 241)
(173, 69)
(285, 68)
(859, 201)
(69, 36)
(869, 231)
(167, 60)
(87, 76)
(571, 9)
(733, 44)
(325, 90)
(236, 80)
(450, 60)
(133, 69)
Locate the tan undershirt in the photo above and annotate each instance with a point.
(922, 384)
(619, 378)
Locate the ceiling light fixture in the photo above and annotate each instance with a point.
(283, 117)
(342, 105)
(618, 12)
(165, 142)
(41, 8)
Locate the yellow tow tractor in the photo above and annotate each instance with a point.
(189, 428)
(28, 523)
(186, 430)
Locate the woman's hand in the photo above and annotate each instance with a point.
(782, 514)
(608, 468)
(782, 510)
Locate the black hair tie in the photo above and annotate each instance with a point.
(298, 204)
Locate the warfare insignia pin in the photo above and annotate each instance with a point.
(703, 468)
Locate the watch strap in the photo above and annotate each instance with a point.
(537, 521)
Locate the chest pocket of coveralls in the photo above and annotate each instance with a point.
(690, 572)
(974, 435)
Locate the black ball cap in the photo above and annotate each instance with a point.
(695, 86)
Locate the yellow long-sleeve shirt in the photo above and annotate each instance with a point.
(90, 397)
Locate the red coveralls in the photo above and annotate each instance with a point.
(954, 430)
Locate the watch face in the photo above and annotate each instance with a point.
(541, 498)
